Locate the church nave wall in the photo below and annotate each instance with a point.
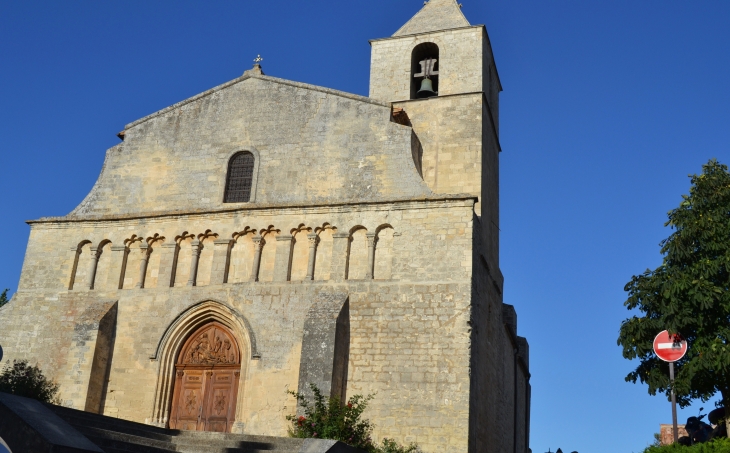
(234, 248)
(404, 341)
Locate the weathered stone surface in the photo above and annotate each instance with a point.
(366, 261)
(312, 145)
(435, 15)
(326, 346)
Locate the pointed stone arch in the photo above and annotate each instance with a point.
(173, 340)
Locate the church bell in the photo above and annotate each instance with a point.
(426, 90)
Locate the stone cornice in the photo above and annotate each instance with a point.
(279, 208)
(465, 27)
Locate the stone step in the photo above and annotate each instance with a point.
(114, 435)
(116, 446)
(80, 418)
(265, 443)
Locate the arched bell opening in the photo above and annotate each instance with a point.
(207, 373)
(425, 71)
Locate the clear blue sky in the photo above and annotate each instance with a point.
(607, 107)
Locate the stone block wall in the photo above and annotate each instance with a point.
(500, 389)
(409, 334)
(311, 145)
(450, 133)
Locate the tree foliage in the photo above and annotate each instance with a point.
(687, 295)
(19, 378)
(4, 297)
(714, 446)
(328, 418)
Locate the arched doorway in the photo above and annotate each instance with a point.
(207, 371)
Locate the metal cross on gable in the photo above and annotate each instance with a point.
(258, 59)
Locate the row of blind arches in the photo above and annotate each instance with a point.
(188, 259)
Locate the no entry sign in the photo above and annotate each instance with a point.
(667, 349)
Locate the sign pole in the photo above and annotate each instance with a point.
(674, 403)
(671, 348)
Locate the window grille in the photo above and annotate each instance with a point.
(240, 178)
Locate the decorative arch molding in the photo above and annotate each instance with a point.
(174, 337)
(200, 313)
(75, 262)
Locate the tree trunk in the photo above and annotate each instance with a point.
(726, 403)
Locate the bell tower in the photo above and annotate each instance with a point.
(440, 70)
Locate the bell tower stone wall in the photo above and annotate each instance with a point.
(459, 126)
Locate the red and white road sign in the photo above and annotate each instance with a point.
(667, 349)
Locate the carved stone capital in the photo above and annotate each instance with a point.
(258, 242)
(372, 238)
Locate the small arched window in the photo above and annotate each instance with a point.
(425, 66)
(240, 178)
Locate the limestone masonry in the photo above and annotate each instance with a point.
(268, 234)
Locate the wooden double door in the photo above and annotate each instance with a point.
(206, 381)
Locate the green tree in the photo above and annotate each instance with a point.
(687, 295)
(21, 379)
(4, 297)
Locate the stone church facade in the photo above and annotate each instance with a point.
(267, 234)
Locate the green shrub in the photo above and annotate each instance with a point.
(4, 297)
(21, 379)
(328, 418)
(391, 446)
(714, 446)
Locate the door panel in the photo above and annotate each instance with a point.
(189, 401)
(219, 411)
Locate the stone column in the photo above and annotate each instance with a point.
(167, 265)
(196, 246)
(372, 240)
(282, 263)
(313, 240)
(73, 264)
(143, 260)
(258, 243)
(221, 257)
(93, 265)
(118, 261)
(340, 251)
